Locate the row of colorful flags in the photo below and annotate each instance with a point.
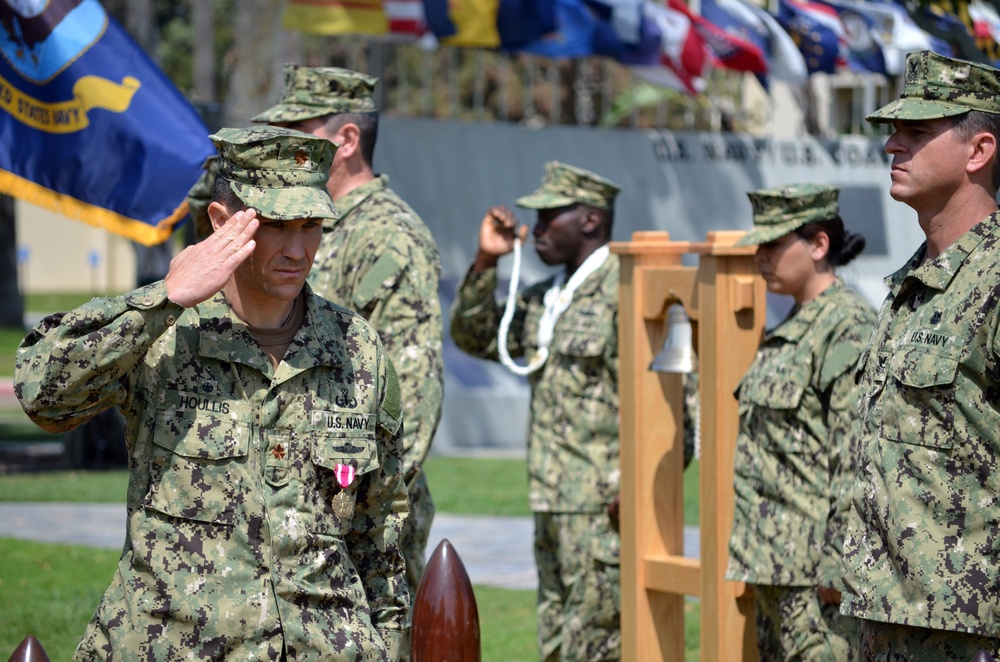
(92, 128)
(673, 43)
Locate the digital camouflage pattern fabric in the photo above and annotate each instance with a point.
(938, 86)
(573, 466)
(783, 209)
(921, 545)
(792, 625)
(380, 260)
(797, 436)
(579, 587)
(573, 435)
(320, 91)
(564, 185)
(281, 173)
(793, 472)
(264, 505)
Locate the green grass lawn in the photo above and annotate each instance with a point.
(51, 591)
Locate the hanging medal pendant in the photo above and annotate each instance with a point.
(343, 506)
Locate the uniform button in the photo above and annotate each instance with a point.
(148, 301)
(170, 320)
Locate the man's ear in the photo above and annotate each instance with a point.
(218, 214)
(349, 138)
(592, 221)
(984, 151)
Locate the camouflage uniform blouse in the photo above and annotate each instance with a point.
(923, 546)
(573, 435)
(380, 260)
(796, 441)
(246, 532)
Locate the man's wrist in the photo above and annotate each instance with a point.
(484, 261)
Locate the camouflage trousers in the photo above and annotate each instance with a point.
(413, 541)
(579, 596)
(792, 625)
(890, 642)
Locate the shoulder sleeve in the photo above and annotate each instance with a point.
(846, 341)
(71, 366)
(390, 413)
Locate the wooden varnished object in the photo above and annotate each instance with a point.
(724, 298)
(445, 617)
(29, 651)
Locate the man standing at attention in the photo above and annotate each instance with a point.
(265, 498)
(921, 566)
(567, 329)
(380, 260)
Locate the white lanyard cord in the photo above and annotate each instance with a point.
(557, 300)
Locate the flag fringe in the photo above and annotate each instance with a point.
(138, 231)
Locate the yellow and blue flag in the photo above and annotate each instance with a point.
(89, 125)
(403, 19)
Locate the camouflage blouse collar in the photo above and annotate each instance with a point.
(597, 279)
(346, 203)
(800, 320)
(223, 337)
(940, 271)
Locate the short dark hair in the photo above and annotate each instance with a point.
(367, 124)
(224, 194)
(976, 121)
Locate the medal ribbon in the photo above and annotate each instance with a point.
(345, 475)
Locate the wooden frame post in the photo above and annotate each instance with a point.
(725, 300)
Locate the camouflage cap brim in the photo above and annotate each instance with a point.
(564, 185)
(763, 234)
(544, 200)
(319, 91)
(937, 86)
(780, 210)
(289, 112)
(287, 203)
(915, 109)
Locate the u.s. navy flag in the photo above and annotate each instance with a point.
(89, 126)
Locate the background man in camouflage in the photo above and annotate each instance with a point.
(380, 260)
(573, 438)
(921, 563)
(794, 464)
(265, 497)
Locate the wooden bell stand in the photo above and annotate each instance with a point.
(725, 299)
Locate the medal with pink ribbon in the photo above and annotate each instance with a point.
(345, 474)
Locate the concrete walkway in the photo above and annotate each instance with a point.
(496, 551)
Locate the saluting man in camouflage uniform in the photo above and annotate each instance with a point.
(266, 496)
(572, 344)
(921, 556)
(794, 464)
(378, 259)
